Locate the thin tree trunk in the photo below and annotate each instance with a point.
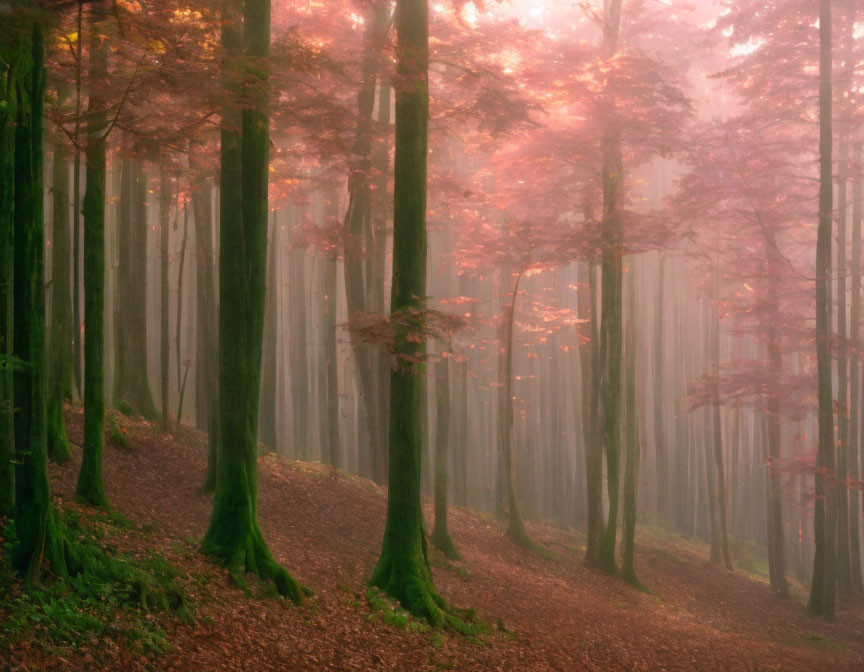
(717, 439)
(267, 435)
(823, 584)
(631, 457)
(854, 373)
(165, 305)
(660, 398)
(440, 536)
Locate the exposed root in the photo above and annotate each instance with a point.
(253, 556)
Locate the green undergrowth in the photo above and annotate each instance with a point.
(459, 622)
(110, 597)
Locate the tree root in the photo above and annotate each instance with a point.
(253, 556)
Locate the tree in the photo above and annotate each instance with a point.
(234, 536)
(132, 392)
(823, 585)
(24, 55)
(440, 536)
(90, 487)
(403, 568)
(60, 351)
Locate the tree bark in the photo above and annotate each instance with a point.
(165, 293)
(403, 569)
(234, 536)
(90, 487)
(61, 341)
(823, 584)
(440, 533)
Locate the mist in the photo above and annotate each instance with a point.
(463, 335)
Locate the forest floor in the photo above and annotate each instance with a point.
(546, 611)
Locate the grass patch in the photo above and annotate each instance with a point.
(110, 599)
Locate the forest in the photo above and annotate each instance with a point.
(398, 335)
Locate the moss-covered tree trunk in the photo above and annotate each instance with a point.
(90, 487)
(234, 537)
(131, 381)
(440, 533)
(10, 65)
(61, 340)
(37, 534)
(403, 569)
(823, 584)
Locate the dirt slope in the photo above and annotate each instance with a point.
(327, 530)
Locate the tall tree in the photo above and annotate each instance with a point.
(12, 52)
(234, 536)
(403, 568)
(610, 310)
(39, 539)
(823, 585)
(60, 370)
(132, 392)
(90, 487)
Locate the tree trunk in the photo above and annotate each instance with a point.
(165, 303)
(207, 363)
(267, 408)
(90, 487)
(717, 427)
(60, 349)
(844, 568)
(440, 533)
(403, 569)
(10, 60)
(131, 381)
(610, 313)
(631, 457)
(854, 373)
(234, 537)
(331, 361)
(823, 584)
(659, 398)
(358, 219)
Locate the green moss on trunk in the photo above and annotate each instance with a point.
(234, 537)
(90, 487)
(10, 58)
(403, 570)
(61, 340)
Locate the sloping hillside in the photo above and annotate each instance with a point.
(544, 613)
